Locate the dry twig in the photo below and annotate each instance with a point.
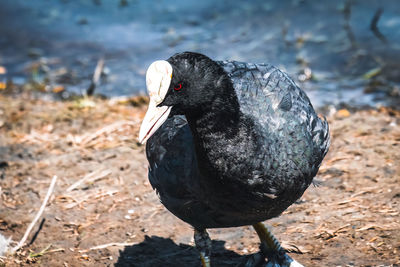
(374, 25)
(96, 76)
(108, 245)
(105, 130)
(91, 177)
(82, 198)
(46, 199)
(347, 26)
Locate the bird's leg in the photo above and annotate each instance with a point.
(266, 237)
(272, 249)
(203, 245)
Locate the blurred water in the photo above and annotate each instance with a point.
(69, 37)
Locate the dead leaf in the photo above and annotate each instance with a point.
(342, 113)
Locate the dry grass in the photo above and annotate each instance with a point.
(103, 206)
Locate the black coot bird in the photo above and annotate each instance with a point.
(229, 144)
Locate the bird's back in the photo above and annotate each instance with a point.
(294, 138)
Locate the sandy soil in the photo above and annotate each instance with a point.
(350, 219)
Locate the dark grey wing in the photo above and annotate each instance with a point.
(174, 173)
(296, 139)
(171, 157)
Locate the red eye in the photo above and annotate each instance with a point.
(178, 87)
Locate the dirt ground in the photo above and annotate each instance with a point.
(112, 217)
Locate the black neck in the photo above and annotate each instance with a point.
(221, 117)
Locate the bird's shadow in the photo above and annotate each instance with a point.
(159, 251)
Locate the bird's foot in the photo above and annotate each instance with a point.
(255, 260)
(293, 263)
(278, 258)
(272, 250)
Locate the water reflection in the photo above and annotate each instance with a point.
(60, 42)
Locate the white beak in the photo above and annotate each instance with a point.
(154, 118)
(158, 80)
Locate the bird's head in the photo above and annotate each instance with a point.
(186, 82)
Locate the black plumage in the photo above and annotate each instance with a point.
(241, 144)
